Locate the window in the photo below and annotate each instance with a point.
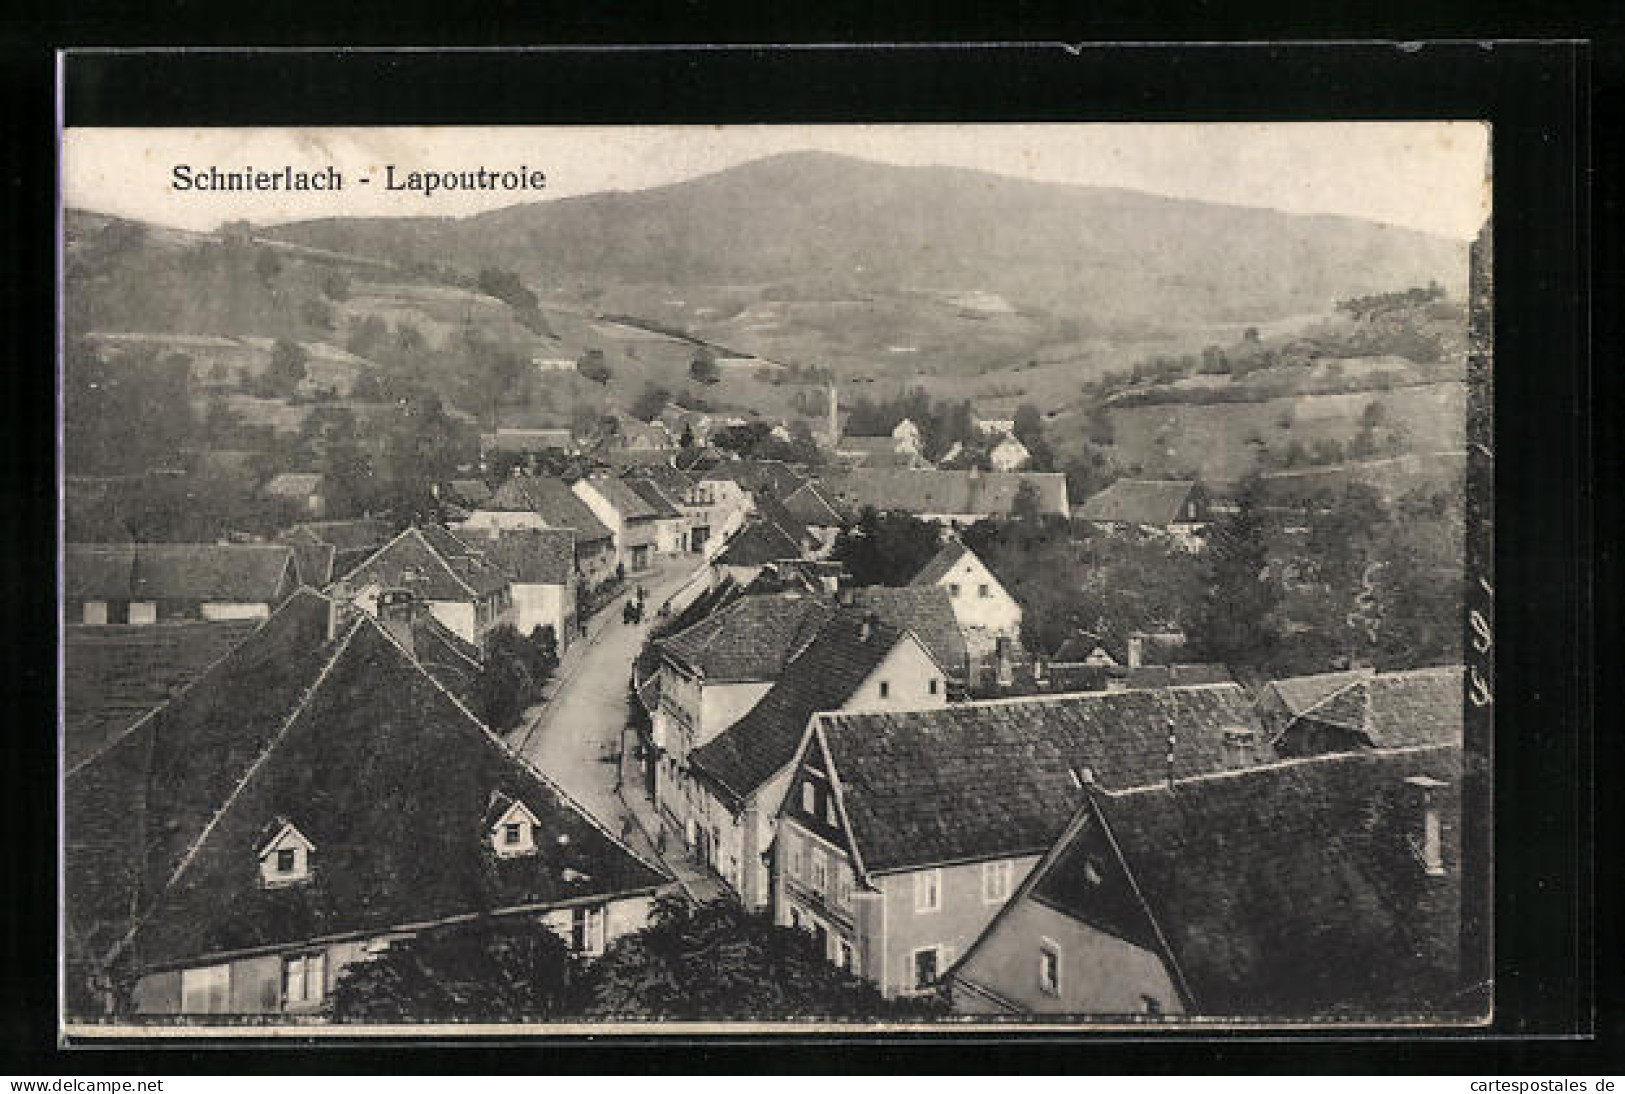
(809, 799)
(1151, 1004)
(795, 917)
(820, 870)
(885, 688)
(953, 589)
(286, 859)
(844, 955)
(928, 891)
(1049, 968)
(1091, 870)
(996, 882)
(303, 979)
(797, 868)
(206, 990)
(931, 686)
(925, 968)
(510, 833)
(830, 816)
(587, 930)
(843, 889)
(982, 591)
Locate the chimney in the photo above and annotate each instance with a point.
(1428, 845)
(844, 595)
(396, 610)
(866, 629)
(1136, 650)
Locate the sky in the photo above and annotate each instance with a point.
(1431, 176)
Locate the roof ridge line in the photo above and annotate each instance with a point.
(444, 561)
(236, 791)
(1359, 680)
(1292, 761)
(496, 742)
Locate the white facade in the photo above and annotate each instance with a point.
(986, 612)
(1009, 455)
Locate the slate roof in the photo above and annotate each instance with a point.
(294, 484)
(973, 493)
(553, 501)
(378, 765)
(431, 563)
(752, 638)
(1292, 890)
(237, 573)
(825, 676)
(112, 676)
(1388, 709)
(1002, 778)
(941, 563)
(928, 611)
(1153, 502)
(529, 556)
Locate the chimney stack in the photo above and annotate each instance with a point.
(1429, 843)
(1239, 745)
(1136, 650)
(866, 629)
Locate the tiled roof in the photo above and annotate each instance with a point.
(431, 563)
(111, 676)
(626, 501)
(1293, 890)
(386, 774)
(674, 484)
(1157, 503)
(313, 563)
(525, 440)
(454, 663)
(553, 501)
(345, 535)
(999, 778)
(757, 543)
(295, 484)
(239, 573)
(752, 638)
(824, 677)
(528, 556)
(973, 493)
(928, 611)
(664, 508)
(1389, 709)
(941, 563)
(468, 492)
(1164, 676)
(760, 478)
(807, 504)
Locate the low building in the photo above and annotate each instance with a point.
(671, 522)
(352, 540)
(465, 494)
(956, 499)
(927, 612)
(143, 583)
(713, 673)
(465, 591)
(1351, 711)
(988, 615)
(739, 777)
(542, 501)
(695, 501)
(306, 490)
(1178, 507)
(1323, 889)
(902, 834)
(315, 797)
(526, 442)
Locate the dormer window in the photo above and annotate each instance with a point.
(285, 857)
(514, 832)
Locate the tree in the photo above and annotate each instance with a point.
(686, 441)
(886, 548)
(1234, 624)
(717, 962)
(650, 402)
(336, 285)
(492, 970)
(288, 367)
(506, 286)
(1026, 504)
(703, 368)
(593, 366)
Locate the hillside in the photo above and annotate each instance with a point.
(824, 259)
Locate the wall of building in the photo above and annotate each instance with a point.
(545, 606)
(484, 519)
(458, 616)
(607, 515)
(219, 611)
(1100, 974)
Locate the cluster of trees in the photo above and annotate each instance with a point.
(703, 368)
(593, 366)
(755, 441)
(714, 962)
(506, 286)
(515, 670)
(940, 423)
(886, 548)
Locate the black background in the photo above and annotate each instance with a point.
(1545, 101)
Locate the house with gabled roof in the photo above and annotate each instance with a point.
(313, 797)
(464, 590)
(902, 833)
(809, 504)
(1178, 507)
(144, 583)
(540, 566)
(352, 540)
(988, 615)
(632, 520)
(857, 661)
(543, 501)
(1361, 709)
(671, 522)
(714, 671)
(1320, 889)
(927, 611)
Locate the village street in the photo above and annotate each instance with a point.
(576, 736)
